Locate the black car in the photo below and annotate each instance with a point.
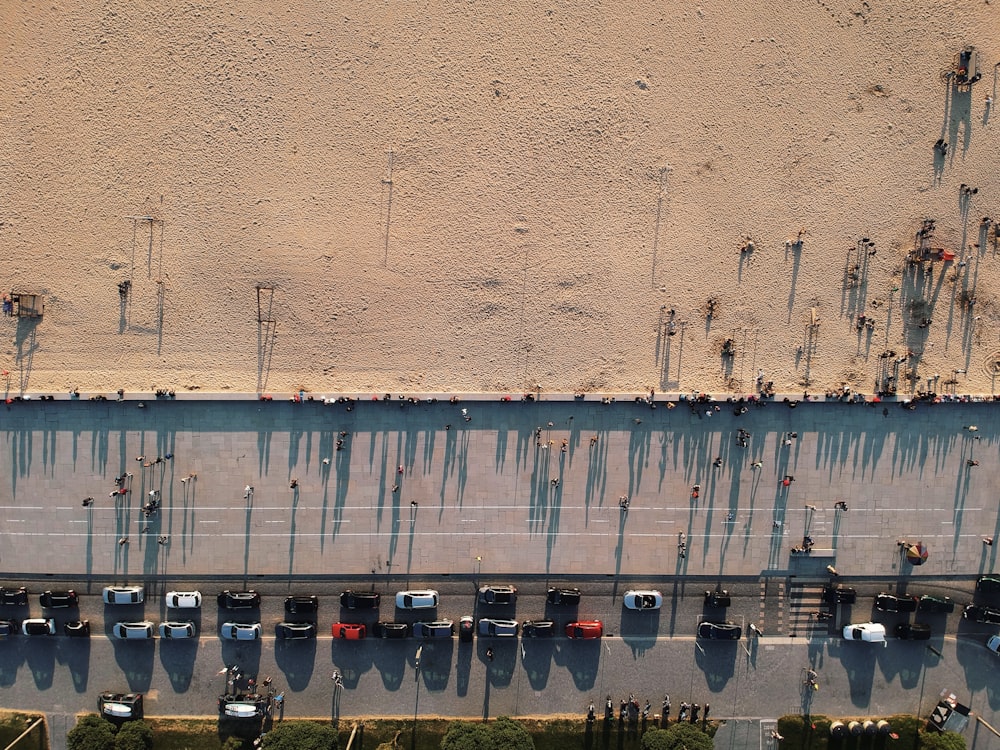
(391, 630)
(936, 605)
(537, 628)
(988, 584)
(293, 631)
(564, 597)
(720, 631)
(890, 603)
(39, 626)
(239, 599)
(8, 628)
(839, 595)
(58, 599)
(979, 613)
(77, 628)
(717, 598)
(914, 631)
(497, 594)
(14, 597)
(360, 600)
(301, 605)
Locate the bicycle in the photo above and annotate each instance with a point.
(810, 681)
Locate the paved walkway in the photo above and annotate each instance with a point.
(491, 495)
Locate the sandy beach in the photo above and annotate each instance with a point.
(490, 197)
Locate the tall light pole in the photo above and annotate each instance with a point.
(416, 697)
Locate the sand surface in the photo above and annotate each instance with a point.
(471, 196)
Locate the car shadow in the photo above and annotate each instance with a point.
(435, 663)
(582, 659)
(243, 654)
(297, 661)
(178, 656)
(536, 660)
(40, 656)
(135, 658)
(351, 659)
(390, 661)
(74, 653)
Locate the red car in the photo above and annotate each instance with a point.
(349, 631)
(586, 630)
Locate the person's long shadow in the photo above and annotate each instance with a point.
(597, 472)
(246, 533)
(620, 549)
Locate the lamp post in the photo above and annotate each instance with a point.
(416, 697)
(479, 569)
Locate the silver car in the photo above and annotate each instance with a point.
(241, 631)
(123, 594)
(177, 630)
(128, 631)
(427, 599)
(183, 599)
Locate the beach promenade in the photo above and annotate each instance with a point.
(416, 490)
(476, 499)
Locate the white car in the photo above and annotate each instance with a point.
(993, 643)
(124, 594)
(869, 632)
(241, 631)
(177, 630)
(417, 599)
(643, 600)
(183, 599)
(128, 631)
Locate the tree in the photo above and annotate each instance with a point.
(134, 735)
(92, 732)
(676, 737)
(502, 734)
(300, 735)
(942, 741)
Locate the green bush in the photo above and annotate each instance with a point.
(501, 734)
(677, 737)
(91, 732)
(300, 735)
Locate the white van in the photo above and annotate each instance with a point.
(869, 632)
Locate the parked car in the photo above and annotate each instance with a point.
(979, 613)
(239, 599)
(240, 631)
(183, 599)
(466, 628)
(128, 631)
(120, 705)
(497, 628)
(563, 597)
(177, 630)
(839, 595)
(936, 605)
(869, 632)
(993, 643)
(360, 599)
(642, 600)
(58, 599)
(538, 629)
(720, 631)
(436, 629)
(391, 630)
(247, 708)
(294, 631)
(988, 584)
(14, 597)
(718, 598)
(123, 594)
(914, 631)
(427, 599)
(8, 628)
(349, 631)
(497, 594)
(585, 629)
(39, 626)
(890, 603)
(301, 605)
(77, 628)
